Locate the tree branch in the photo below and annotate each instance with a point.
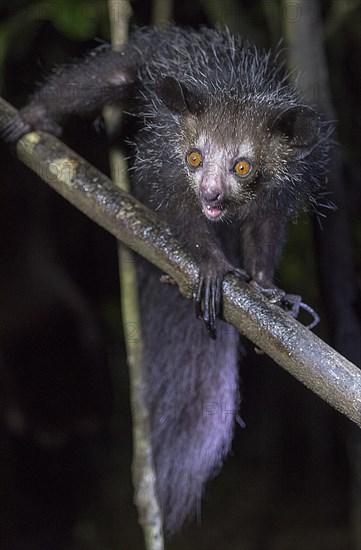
(292, 346)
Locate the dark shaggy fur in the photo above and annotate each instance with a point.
(213, 99)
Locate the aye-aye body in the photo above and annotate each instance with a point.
(226, 152)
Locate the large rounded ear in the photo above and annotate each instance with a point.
(178, 97)
(300, 127)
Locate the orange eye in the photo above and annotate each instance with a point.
(242, 167)
(194, 158)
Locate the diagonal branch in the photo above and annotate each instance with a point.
(314, 363)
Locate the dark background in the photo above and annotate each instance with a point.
(293, 480)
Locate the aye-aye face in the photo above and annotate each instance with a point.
(235, 149)
(229, 156)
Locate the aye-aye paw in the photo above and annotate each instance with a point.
(14, 129)
(209, 293)
(208, 300)
(33, 117)
(290, 303)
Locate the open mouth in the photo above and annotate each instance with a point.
(213, 213)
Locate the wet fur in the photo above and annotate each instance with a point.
(188, 87)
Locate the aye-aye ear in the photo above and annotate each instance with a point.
(178, 97)
(300, 127)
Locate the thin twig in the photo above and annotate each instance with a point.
(143, 472)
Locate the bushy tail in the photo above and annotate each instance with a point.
(192, 389)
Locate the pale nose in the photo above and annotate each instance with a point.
(212, 195)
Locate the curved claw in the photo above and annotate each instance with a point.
(209, 293)
(198, 298)
(208, 298)
(290, 303)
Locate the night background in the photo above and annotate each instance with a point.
(293, 480)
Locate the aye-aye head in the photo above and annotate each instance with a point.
(233, 149)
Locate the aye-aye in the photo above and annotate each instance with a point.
(226, 152)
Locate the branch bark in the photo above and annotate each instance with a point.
(292, 346)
